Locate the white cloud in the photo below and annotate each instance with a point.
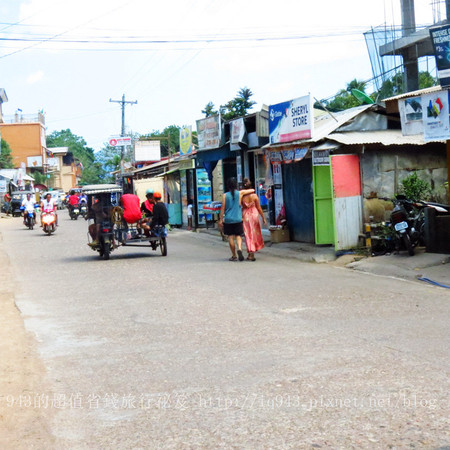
(35, 77)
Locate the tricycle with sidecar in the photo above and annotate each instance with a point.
(107, 228)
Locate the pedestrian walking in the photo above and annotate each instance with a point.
(190, 214)
(231, 218)
(251, 210)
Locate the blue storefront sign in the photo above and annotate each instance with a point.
(290, 121)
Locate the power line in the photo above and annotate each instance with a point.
(64, 32)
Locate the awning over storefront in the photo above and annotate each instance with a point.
(215, 154)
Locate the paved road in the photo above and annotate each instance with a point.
(193, 351)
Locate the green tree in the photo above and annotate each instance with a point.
(395, 85)
(210, 110)
(391, 87)
(108, 158)
(344, 98)
(40, 178)
(77, 145)
(238, 106)
(416, 189)
(427, 80)
(6, 161)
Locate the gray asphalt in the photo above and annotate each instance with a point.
(194, 351)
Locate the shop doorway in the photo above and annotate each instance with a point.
(298, 200)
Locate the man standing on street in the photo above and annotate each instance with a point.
(7, 199)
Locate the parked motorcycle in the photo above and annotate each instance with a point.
(408, 222)
(49, 221)
(74, 212)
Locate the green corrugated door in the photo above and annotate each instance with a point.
(323, 200)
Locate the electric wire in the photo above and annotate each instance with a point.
(64, 32)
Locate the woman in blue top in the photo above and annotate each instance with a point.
(231, 217)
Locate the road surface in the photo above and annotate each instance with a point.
(194, 351)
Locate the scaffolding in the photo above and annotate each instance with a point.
(387, 66)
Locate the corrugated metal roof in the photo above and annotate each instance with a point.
(415, 93)
(383, 137)
(101, 188)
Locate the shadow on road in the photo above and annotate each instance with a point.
(97, 258)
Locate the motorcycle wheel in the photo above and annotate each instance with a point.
(408, 245)
(106, 252)
(163, 245)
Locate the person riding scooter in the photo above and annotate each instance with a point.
(28, 204)
(48, 206)
(73, 200)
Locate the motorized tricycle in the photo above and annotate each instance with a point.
(108, 230)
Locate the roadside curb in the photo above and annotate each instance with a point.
(433, 266)
(293, 250)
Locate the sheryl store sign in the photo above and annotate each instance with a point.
(290, 121)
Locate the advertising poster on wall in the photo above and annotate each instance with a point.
(278, 197)
(237, 134)
(203, 195)
(440, 38)
(186, 140)
(34, 161)
(435, 116)
(53, 163)
(209, 132)
(411, 115)
(292, 120)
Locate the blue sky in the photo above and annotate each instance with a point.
(69, 58)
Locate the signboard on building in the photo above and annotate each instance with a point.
(292, 120)
(440, 38)
(34, 161)
(147, 151)
(3, 186)
(53, 163)
(186, 140)
(321, 157)
(237, 134)
(411, 115)
(435, 116)
(115, 141)
(209, 132)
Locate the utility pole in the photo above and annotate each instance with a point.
(411, 74)
(123, 103)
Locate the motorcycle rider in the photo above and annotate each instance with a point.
(83, 198)
(48, 205)
(97, 213)
(160, 214)
(28, 203)
(73, 200)
(147, 211)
